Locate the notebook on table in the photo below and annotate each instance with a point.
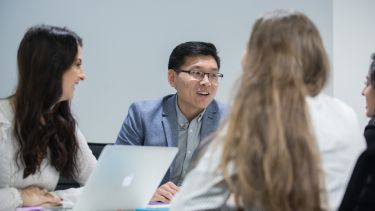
(125, 177)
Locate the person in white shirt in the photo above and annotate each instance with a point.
(39, 137)
(286, 146)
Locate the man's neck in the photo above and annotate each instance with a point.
(189, 114)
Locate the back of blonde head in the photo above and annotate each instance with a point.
(269, 138)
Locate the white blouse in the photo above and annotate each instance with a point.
(11, 175)
(340, 142)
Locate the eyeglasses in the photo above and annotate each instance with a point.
(199, 75)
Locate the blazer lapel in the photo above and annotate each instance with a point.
(169, 121)
(210, 121)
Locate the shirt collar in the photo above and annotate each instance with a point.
(181, 119)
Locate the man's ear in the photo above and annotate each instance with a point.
(171, 77)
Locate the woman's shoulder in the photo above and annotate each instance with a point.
(335, 124)
(326, 100)
(6, 111)
(330, 106)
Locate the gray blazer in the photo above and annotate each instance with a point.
(154, 123)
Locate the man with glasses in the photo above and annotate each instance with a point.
(180, 120)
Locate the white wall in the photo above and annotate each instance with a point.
(353, 43)
(127, 45)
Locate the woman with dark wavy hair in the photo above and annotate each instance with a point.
(285, 145)
(39, 138)
(369, 93)
(360, 193)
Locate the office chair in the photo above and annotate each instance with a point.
(66, 183)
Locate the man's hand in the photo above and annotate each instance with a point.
(165, 193)
(35, 196)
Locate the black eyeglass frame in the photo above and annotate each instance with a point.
(218, 75)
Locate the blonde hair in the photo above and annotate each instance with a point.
(269, 138)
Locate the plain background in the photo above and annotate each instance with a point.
(127, 45)
(353, 43)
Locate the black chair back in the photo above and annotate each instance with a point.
(66, 183)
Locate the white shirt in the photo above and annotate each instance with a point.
(11, 177)
(340, 142)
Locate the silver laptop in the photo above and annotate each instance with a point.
(125, 177)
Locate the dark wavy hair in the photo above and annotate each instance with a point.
(44, 125)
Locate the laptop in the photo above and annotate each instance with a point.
(125, 177)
